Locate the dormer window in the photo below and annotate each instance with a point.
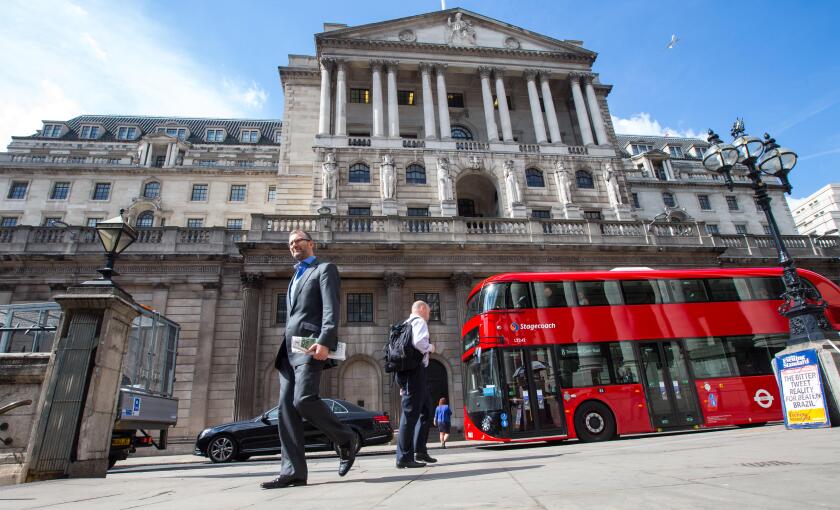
(89, 132)
(126, 133)
(51, 130)
(215, 135)
(640, 148)
(699, 151)
(250, 136)
(278, 136)
(180, 133)
(675, 151)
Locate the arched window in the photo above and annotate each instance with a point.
(146, 219)
(151, 190)
(584, 179)
(534, 178)
(415, 174)
(668, 199)
(359, 172)
(461, 133)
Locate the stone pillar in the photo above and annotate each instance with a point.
(580, 108)
(378, 120)
(393, 285)
(81, 385)
(595, 110)
(550, 112)
(168, 157)
(487, 97)
(534, 99)
(203, 358)
(462, 283)
(504, 113)
(341, 98)
(149, 155)
(246, 366)
(324, 113)
(443, 102)
(174, 150)
(428, 101)
(144, 152)
(393, 107)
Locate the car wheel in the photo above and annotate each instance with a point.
(222, 449)
(594, 422)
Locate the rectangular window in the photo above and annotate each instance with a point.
(455, 100)
(708, 357)
(237, 192)
(688, 291)
(699, 151)
(551, 294)
(8, 221)
(727, 289)
(704, 202)
(740, 229)
(592, 215)
(234, 224)
(195, 222)
(635, 197)
(215, 135)
(496, 102)
(676, 152)
(543, 214)
(591, 294)
(581, 365)
(638, 148)
(52, 130)
(50, 221)
(126, 133)
(89, 132)
(272, 193)
(358, 211)
(766, 228)
(712, 229)
(180, 133)
(102, 191)
(668, 200)
(199, 192)
(280, 314)
(278, 136)
(418, 211)
(17, 190)
(92, 222)
(361, 96)
(405, 97)
(360, 307)
(250, 136)
(433, 300)
(732, 202)
(640, 292)
(60, 190)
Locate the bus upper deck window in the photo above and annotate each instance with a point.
(591, 294)
(768, 288)
(520, 296)
(549, 294)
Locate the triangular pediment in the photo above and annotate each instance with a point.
(455, 28)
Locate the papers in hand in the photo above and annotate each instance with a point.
(302, 344)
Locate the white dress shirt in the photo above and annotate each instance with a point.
(420, 337)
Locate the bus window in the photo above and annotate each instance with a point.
(550, 294)
(624, 364)
(708, 358)
(518, 396)
(753, 355)
(481, 380)
(688, 291)
(493, 297)
(520, 295)
(473, 308)
(591, 294)
(582, 365)
(640, 292)
(724, 289)
(767, 288)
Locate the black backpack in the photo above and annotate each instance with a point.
(400, 353)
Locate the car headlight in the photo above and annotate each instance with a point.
(204, 433)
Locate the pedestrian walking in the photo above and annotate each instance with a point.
(443, 420)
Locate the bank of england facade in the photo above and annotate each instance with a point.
(422, 154)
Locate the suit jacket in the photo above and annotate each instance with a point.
(312, 311)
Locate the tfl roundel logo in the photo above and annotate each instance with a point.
(514, 327)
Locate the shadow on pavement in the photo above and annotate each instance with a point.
(431, 475)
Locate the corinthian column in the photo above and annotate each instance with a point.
(550, 113)
(595, 110)
(246, 363)
(394, 285)
(341, 98)
(504, 113)
(534, 99)
(462, 282)
(580, 109)
(324, 115)
(443, 102)
(428, 101)
(378, 121)
(393, 108)
(487, 97)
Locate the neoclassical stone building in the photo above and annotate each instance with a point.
(423, 154)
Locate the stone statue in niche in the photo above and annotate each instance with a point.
(612, 186)
(444, 179)
(388, 177)
(561, 178)
(330, 170)
(460, 29)
(513, 192)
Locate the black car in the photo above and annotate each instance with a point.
(258, 436)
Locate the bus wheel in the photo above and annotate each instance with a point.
(594, 422)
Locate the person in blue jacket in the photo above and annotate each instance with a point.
(443, 420)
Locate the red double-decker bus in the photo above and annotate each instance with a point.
(599, 354)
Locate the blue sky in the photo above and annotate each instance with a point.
(774, 63)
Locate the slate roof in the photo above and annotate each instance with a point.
(147, 125)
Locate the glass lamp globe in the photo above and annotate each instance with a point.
(719, 157)
(777, 161)
(749, 147)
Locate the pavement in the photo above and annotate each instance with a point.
(756, 468)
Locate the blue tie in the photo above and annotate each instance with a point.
(302, 266)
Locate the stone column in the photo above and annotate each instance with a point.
(394, 285)
(393, 107)
(378, 120)
(534, 99)
(443, 102)
(341, 98)
(428, 101)
(550, 113)
(168, 157)
(324, 114)
(246, 366)
(580, 108)
(504, 113)
(595, 110)
(149, 155)
(203, 357)
(462, 283)
(487, 97)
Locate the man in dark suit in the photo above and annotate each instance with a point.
(312, 305)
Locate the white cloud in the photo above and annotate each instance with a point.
(60, 60)
(642, 124)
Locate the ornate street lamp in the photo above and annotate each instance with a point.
(802, 307)
(116, 235)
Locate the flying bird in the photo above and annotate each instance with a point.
(673, 41)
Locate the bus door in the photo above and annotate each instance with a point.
(534, 402)
(670, 391)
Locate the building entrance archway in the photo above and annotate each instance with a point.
(438, 382)
(477, 197)
(361, 384)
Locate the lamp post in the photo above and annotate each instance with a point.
(802, 306)
(116, 235)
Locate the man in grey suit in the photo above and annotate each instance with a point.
(312, 307)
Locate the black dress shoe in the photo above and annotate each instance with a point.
(409, 464)
(424, 457)
(281, 482)
(347, 453)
